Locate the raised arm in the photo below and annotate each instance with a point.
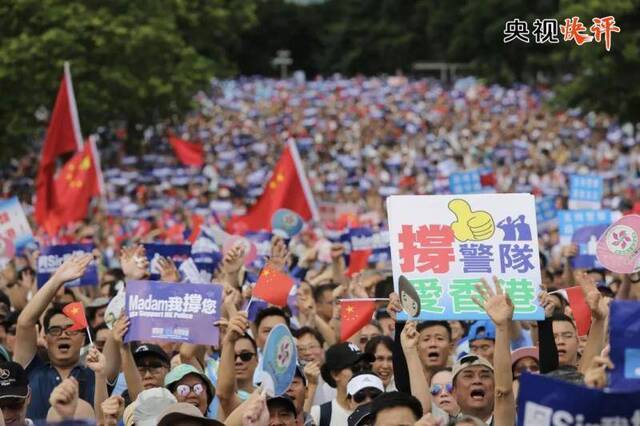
(96, 362)
(599, 315)
(418, 381)
(131, 373)
(26, 338)
(499, 307)
(226, 389)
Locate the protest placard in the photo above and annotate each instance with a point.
(618, 249)
(280, 357)
(546, 213)
(583, 228)
(15, 232)
(465, 182)
(52, 257)
(441, 247)
(543, 401)
(585, 192)
(624, 338)
(174, 312)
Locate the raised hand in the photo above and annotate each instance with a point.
(596, 376)
(134, 262)
(256, 412)
(233, 260)
(120, 328)
(237, 326)
(496, 304)
(394, 306)
(96, 361)
(73, 268)
(279, 254)
(309, 257)
(312, 372)
(545, 301)
(112, 409)
(409, 336)
(597, 304)
(168, 270)
(64, 398)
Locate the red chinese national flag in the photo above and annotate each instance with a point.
(75, 312)
(579, 309)
(273, 286)
(355, 314)
(358, 260)
(189, 153)
(287, 189)
(77, 183)
(63, 136)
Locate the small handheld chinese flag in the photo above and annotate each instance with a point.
(273, 286)
(358, 260)
(355, 314)
(579, 309)
(75, 312)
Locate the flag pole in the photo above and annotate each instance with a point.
(89, 335)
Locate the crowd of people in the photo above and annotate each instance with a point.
(360, 140)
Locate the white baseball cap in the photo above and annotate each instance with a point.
(363, 381)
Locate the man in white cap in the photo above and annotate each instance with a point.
(364, 387)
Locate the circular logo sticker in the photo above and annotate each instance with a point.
(622, 240)
(284, 354)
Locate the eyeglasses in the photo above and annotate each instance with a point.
(56, 331)
(363, 394)
(151, 368)
(245, 356)
(184, 390)
(308, 348)
(365, 339)
(437, 388)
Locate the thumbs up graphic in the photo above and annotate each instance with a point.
(470, 225)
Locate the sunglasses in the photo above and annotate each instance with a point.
(184, 390)
(56, 331)
(245, 356)
(436, 389)
(363, 394)
(151, 368)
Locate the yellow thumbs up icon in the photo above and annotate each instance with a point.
(470, 225)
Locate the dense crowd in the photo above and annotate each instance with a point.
(360, 140)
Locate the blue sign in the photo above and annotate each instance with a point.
(176, 252)
(174, 312)
(14, 224)
(585, 191)
(286, 223)
(52, 257)
(583, 228)
(465, 182)
(546, 212)
(363, 238)
(543, 401)
(279, 361)
(624, 338)
(262, 241)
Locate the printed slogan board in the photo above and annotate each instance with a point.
(442, 245)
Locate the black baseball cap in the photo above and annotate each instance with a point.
(360, 415)
(284, 401)
(148, 349)
(14, 382)
(341, 356)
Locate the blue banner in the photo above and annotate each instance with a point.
(175, 312)
(364, 238)
(583, 228)
(585, 191)
(465, 182)
(262, 241)
(176, 252)
(543, 401)
(546, 212)
(624, 338)
(52, 257)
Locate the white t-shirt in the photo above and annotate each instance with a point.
(339, 416)
(324, 393)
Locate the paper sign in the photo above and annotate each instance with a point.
(585, 192)
(178, 312)
(443, 245)
(114, 309)
(624, 338)
(52, 257)
(15, 232)
(279, 360)
(544, 401)
(546, 213)
(618, 249)
(583, 228)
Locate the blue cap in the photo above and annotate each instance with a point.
(482, 330)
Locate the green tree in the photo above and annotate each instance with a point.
(132, 61)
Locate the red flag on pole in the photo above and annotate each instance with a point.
(63, 136)
(75, 312)
(273, 286)
(287, 189)
(579, 309)
(189, 153)
(79, 180)
(355, 314)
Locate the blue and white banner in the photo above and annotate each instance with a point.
(174, 312)
(543, 401)
(546, 213)
(584, 228)
(15, 232)
(465, 182)
(52, 257)
(624, 338)
(585, 192)
(176, 252)
(262, 241)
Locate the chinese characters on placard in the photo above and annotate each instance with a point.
(572, 29)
